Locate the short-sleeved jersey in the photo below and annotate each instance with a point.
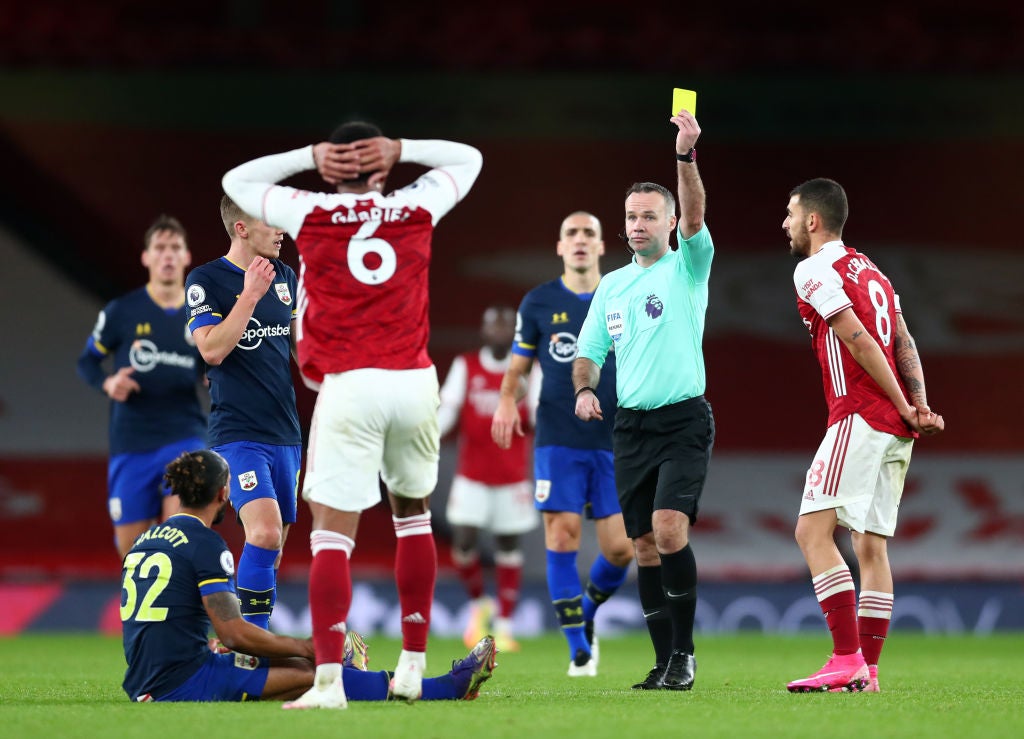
(473, 386)
(654, 317)
(828, 282)
(547, 327)
(253, 398)
(164, 578)
(138, 333)
(363, 295)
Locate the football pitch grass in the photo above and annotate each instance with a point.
(69, 686)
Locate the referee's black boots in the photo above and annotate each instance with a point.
(679, 673)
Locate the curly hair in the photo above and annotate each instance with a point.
(195, 477)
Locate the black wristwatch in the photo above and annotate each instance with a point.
(689, 157)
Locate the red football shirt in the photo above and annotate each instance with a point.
(363, 295)
(471, 390)
(830, 281)
(364, 258)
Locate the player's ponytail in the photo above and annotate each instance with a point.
(195, 477)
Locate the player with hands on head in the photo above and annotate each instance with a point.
(877, 404)
(362, 344)
(652, 312)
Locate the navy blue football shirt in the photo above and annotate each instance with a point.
(253, 398)
(164, 622)
(549, 321)
(154, 341)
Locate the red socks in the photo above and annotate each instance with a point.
(415, 576)
(470, 572)
(509, 574)
(330, 593)
(874, 613)
(838, 601)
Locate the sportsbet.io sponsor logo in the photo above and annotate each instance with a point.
(145, 356)
(257, 332)
(562, 347)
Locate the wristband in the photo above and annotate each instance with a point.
(689, 157)
(585, 387)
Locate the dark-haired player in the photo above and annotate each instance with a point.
(491, 490)
(877, 405)
(241, 314)
(177, 582)
(573, 465)
(155, 412)
(362, 342)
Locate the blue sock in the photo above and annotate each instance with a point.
(366, 686)
(439, 688)
(605, 579)
(362, 685)
(567, 598)
(255, 579)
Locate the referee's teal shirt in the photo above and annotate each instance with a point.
(653, 318)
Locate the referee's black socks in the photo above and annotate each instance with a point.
(679, 580)
(656, 611)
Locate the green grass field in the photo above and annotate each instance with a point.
(60, 686)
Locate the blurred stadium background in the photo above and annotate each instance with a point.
(114, 112)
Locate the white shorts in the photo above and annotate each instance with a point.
(860, 472)
(369, 423)
(500, 509)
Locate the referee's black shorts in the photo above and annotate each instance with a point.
(661, 460)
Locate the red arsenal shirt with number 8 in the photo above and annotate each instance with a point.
(832, 280)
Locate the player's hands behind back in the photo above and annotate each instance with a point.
(930, 423)
(923, 420)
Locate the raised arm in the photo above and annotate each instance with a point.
(454, 169)
(239, 635)
(506, 420)
(691, 188)
(250, 184)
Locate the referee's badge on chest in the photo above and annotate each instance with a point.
(283, 293)
(613, 320)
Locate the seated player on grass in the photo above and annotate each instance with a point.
(178, 580)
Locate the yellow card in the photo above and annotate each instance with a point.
(684, 100)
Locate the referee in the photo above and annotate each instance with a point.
(651, 313)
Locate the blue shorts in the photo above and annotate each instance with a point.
(224, 677)
(575, 480)
(264, 471)
(135, 489)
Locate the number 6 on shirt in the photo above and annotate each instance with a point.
(362, 244)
